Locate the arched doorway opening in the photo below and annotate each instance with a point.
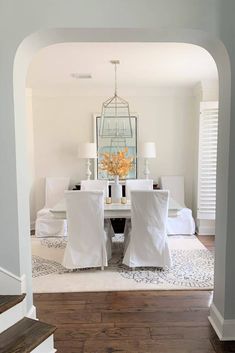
(31, 45)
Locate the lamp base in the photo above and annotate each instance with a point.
(88, 171)
(146, 168)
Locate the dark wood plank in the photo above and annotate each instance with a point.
(156, 316)
(149, 346)
(99, 332)
(8, 301)
(181, 332)
(24, 336)
(223, 347)
(69, 346)
(67, 318)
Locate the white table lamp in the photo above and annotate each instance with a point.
(87, 150)
(147, 150)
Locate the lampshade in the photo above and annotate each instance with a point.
(87, 150)
(147, 150)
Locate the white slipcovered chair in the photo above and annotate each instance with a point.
(99, 185)
(147, 242)
(46, 224)
(131, 185)
(95, 185)
(88, 244)
(183, 223)
(138, 184)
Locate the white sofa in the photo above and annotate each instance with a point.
(183, 222)
(46, 224)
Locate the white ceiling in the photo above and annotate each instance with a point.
(141, 65)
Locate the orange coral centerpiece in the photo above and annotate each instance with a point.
(117, 163)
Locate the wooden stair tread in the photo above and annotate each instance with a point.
(8, 301)
(25, 336)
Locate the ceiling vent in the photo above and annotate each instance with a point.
(78, 76)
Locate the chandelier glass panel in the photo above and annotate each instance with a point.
(115, 115)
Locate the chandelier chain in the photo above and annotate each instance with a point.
(115, 69)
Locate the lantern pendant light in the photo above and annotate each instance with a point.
(115, 115)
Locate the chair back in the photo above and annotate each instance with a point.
(149, 212)
(55, 187)
(175, 184)
(138, 184)
(95, 185)
(85, 217)
(148, 244)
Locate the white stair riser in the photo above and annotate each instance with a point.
(11, 284)
(12, 316)
(46, 346)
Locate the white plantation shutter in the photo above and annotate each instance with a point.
(208, 133)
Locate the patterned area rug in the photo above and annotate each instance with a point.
(193, 267)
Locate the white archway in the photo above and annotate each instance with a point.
(32, 44)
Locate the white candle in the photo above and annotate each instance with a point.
(123, 200)
(108, 200)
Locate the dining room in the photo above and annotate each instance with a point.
(116, 145)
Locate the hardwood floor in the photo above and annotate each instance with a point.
(208, 241)
(132, 322)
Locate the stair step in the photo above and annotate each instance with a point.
(8, 301)
(25, 336)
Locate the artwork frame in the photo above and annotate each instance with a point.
(106, 145)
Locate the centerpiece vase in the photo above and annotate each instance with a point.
(116, 190)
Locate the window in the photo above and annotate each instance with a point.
(208, 133)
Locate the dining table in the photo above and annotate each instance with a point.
(115, 210)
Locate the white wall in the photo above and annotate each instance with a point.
(60, 121)
(30, 150)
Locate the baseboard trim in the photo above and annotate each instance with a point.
(11, 284)
(205, 230)
(225, 329)
(205, 227)
(32, 313)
